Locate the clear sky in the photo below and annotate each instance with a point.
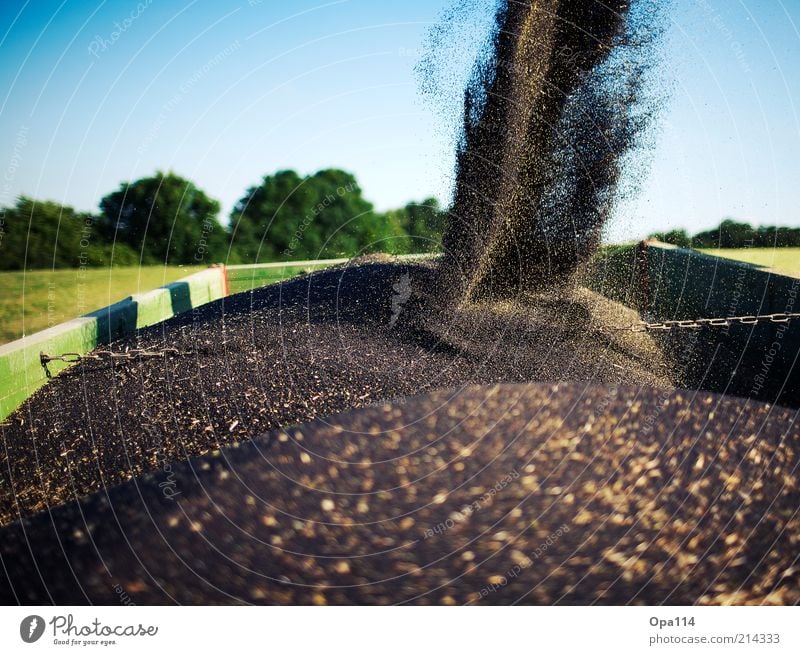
(222, 92)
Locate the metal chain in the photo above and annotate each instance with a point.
(696, 324)
(108, 355)
(662, 326)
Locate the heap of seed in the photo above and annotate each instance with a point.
(530, 493)
(288, 354)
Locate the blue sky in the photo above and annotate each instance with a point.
(93, 93)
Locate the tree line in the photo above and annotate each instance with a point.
(734, 234)
(166, 219)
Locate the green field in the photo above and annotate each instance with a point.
(35, 300)
(781, 260)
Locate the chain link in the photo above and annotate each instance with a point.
(696, 324)
(662, 326)
(108, 355)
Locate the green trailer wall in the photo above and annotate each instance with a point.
(667, 283)
(21, 372)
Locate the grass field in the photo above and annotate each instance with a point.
(36, 300)
(782, 260)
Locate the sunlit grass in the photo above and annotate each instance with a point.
(782, 260)
(52, 297)
(35, 300)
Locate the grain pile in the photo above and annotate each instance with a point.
(288, 354)
(489, 495)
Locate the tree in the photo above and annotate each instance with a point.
(50, 235)
(166, 219)
(679, 237)
(734, 234)
(421, 226)
(778, 237)
(289, 217)
(729, 234)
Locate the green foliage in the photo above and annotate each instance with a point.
(419, 227)
(319, 216)
(734, 234)
(165, 218)
(729, 234)
(50, 235)
(675, 237)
